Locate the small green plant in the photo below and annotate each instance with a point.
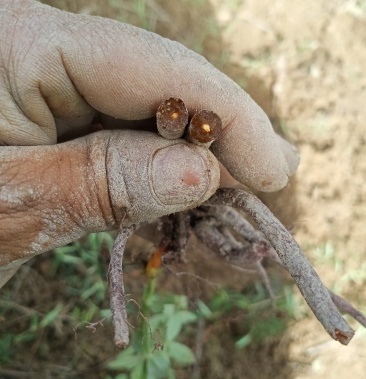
(259, 321)
(84, 259)
(6, 341)
(162, 322)
(80, 268)
(154, 350)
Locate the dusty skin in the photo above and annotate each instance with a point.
(116, 185)
(61, 84)
(303, 62)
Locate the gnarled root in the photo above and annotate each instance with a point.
(293, 259)
(117, 291)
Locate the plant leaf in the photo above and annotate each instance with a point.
(176, 321)
(244, 341)
(158, 365)
(181, 354)
(126, 360)
(138, 371)
(51, 316)
(204, 309)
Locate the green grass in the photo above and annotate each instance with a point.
(165, 324)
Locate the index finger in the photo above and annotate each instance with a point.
(143, 69)
(126, 72)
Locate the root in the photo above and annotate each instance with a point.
(293, 259)
(214, 224)
(344, 306)
(117, 291)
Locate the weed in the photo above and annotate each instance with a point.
(154, 349)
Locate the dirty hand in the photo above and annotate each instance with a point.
(58, 71)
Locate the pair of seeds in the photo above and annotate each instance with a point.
(172, 120)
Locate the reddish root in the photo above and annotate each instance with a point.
(172, 118)
(204, 128)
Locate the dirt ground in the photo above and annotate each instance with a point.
(310, 56)
(303, 61)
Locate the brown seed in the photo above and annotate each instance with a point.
(204, 128)
(172, 118)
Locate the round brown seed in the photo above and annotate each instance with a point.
(172, 118)
(204, 128)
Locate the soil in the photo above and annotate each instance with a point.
(303, 61)
(309, 56)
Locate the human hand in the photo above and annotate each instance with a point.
(58, 72)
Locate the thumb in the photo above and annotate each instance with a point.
(59, 193)
(149, 176)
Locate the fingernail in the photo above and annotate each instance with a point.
(181, 174)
